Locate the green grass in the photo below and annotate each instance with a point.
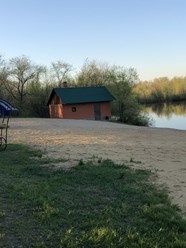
(104, 205)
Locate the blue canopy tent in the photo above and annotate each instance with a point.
(5, 112)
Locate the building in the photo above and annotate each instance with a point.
(93, 103)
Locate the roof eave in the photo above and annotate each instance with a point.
(66, 103)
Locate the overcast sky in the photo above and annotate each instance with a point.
(149, 35)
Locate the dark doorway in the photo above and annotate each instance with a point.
(97, 111)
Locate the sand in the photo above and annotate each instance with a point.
(160, 150)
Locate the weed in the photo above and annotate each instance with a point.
(45, 212)
(81, 162)
(134, 161)
(2, 235)
(2, 214)
(99, 160)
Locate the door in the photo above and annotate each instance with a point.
(97, 111)
(56, 111)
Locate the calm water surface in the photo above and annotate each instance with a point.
(168, 115)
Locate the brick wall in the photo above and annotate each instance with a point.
(79, 111)
(85, 111)
(105, 109)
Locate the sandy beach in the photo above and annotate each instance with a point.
(159, 150)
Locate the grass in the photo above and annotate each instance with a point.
(104, 205)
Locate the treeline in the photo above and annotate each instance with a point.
(161, 90)
(28, 86)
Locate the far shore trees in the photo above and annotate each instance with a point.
(161, 90)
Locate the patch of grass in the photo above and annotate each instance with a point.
(2, 213)
(88, 206)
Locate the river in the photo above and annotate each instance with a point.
(168, 115)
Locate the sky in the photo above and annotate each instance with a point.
(148, 35)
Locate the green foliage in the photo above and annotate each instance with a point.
(105, 205)
(93, 73)
(127, 106)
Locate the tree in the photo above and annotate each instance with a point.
(121, 83)
(3, 76)
(93, 74)
(21, 71)
(37, 98)
(61, 72)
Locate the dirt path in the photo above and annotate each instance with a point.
(160, 150)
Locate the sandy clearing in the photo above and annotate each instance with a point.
(160, 150)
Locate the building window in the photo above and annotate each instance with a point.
(73, 109)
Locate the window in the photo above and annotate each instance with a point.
(73, 109)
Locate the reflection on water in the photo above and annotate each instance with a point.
(168, 115)
(167, 109)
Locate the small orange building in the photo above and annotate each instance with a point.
(93, 103)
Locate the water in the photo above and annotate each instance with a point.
(168, 115)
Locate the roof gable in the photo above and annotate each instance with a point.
(82, 95)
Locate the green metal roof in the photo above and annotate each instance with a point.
(83, 95)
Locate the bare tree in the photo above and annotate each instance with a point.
(4, 72)
(61, 72)
(21, 71)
